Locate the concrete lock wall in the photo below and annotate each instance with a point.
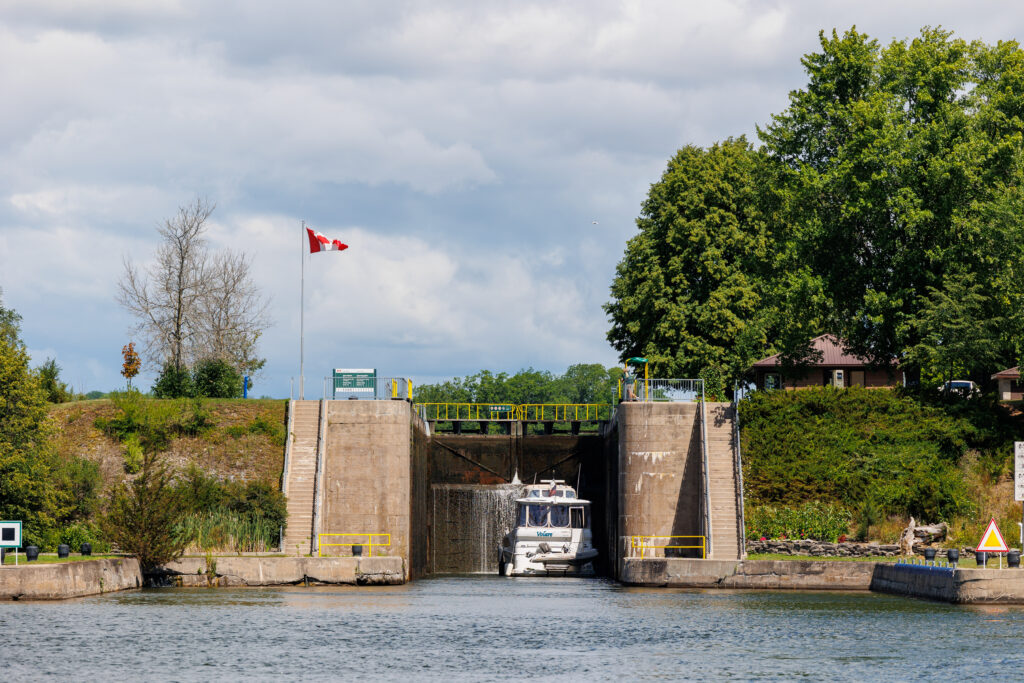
(659, 483)
(383, 473)
(368, 478)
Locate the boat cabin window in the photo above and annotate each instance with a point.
(559, 516)
(569, 494)
(535, 494)
(538, 514)
(576, 517)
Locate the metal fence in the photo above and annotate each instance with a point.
(372, 389)
(661, 390)
(565, 412)
(529, 412)
(473, 412)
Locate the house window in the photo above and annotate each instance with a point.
(773, 380)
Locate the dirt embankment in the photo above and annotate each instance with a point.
(245, 441)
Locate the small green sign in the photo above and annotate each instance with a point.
(501, 409)
(348, 381)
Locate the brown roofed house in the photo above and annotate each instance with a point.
(835, 367)
(1010, 386)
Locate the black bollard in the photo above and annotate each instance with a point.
(953, 555)
(1013, 558)
(63, 550)
(982, 558)
(31, 553)
(86, 548)
(929, 554)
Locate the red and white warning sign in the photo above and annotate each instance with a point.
(992, 541)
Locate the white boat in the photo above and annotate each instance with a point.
(552, 536)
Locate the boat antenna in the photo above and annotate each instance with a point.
(579, 473)
(534, 477)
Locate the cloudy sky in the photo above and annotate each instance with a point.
(485, 160)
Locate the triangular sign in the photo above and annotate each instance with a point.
(992, 541)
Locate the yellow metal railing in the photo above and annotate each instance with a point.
(564, 412)
(535, 412)
(446, 412)
(357, 539)
(645, 543)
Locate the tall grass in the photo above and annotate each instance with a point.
(222, 530)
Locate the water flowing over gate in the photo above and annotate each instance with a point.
(472, 499)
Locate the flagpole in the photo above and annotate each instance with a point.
(302, 317)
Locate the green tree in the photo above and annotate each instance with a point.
(216, 378)
(26, 476)
(582, 383)
(49, 380)
(143, 513)
(692, 290)
(958, 331)
(173, 382)
(899, 170)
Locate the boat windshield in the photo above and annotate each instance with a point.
(559, 515)
(538, 514)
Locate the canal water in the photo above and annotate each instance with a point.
(489, 628)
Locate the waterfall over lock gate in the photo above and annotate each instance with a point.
(468, 523)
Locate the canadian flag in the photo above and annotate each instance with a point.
(318, 242)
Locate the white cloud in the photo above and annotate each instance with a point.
(462, 148)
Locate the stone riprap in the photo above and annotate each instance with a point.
(281, 571)
(62, 580)
(821, 549)
(809, 548)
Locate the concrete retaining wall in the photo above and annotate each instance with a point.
(763, 574)
(279, 571)
(68, 579)
(962, 586)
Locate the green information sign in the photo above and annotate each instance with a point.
(501, 409)
(355, 381)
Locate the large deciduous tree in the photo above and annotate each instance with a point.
(900, 166)
(690, 292)
(885, 206)
(193, 304)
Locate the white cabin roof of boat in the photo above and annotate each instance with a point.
(541, 493)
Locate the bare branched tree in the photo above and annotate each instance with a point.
(191, 304)
(233, 313)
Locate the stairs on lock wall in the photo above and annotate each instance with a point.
(301, 478)
(725, 542)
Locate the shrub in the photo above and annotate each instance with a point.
(216, 378)
(174, 383)
(77, 534)
(840, 445)
(149, 421)
(195, 418)
(133, 456)
(818, 521)
(143, 515)
(82, 480)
